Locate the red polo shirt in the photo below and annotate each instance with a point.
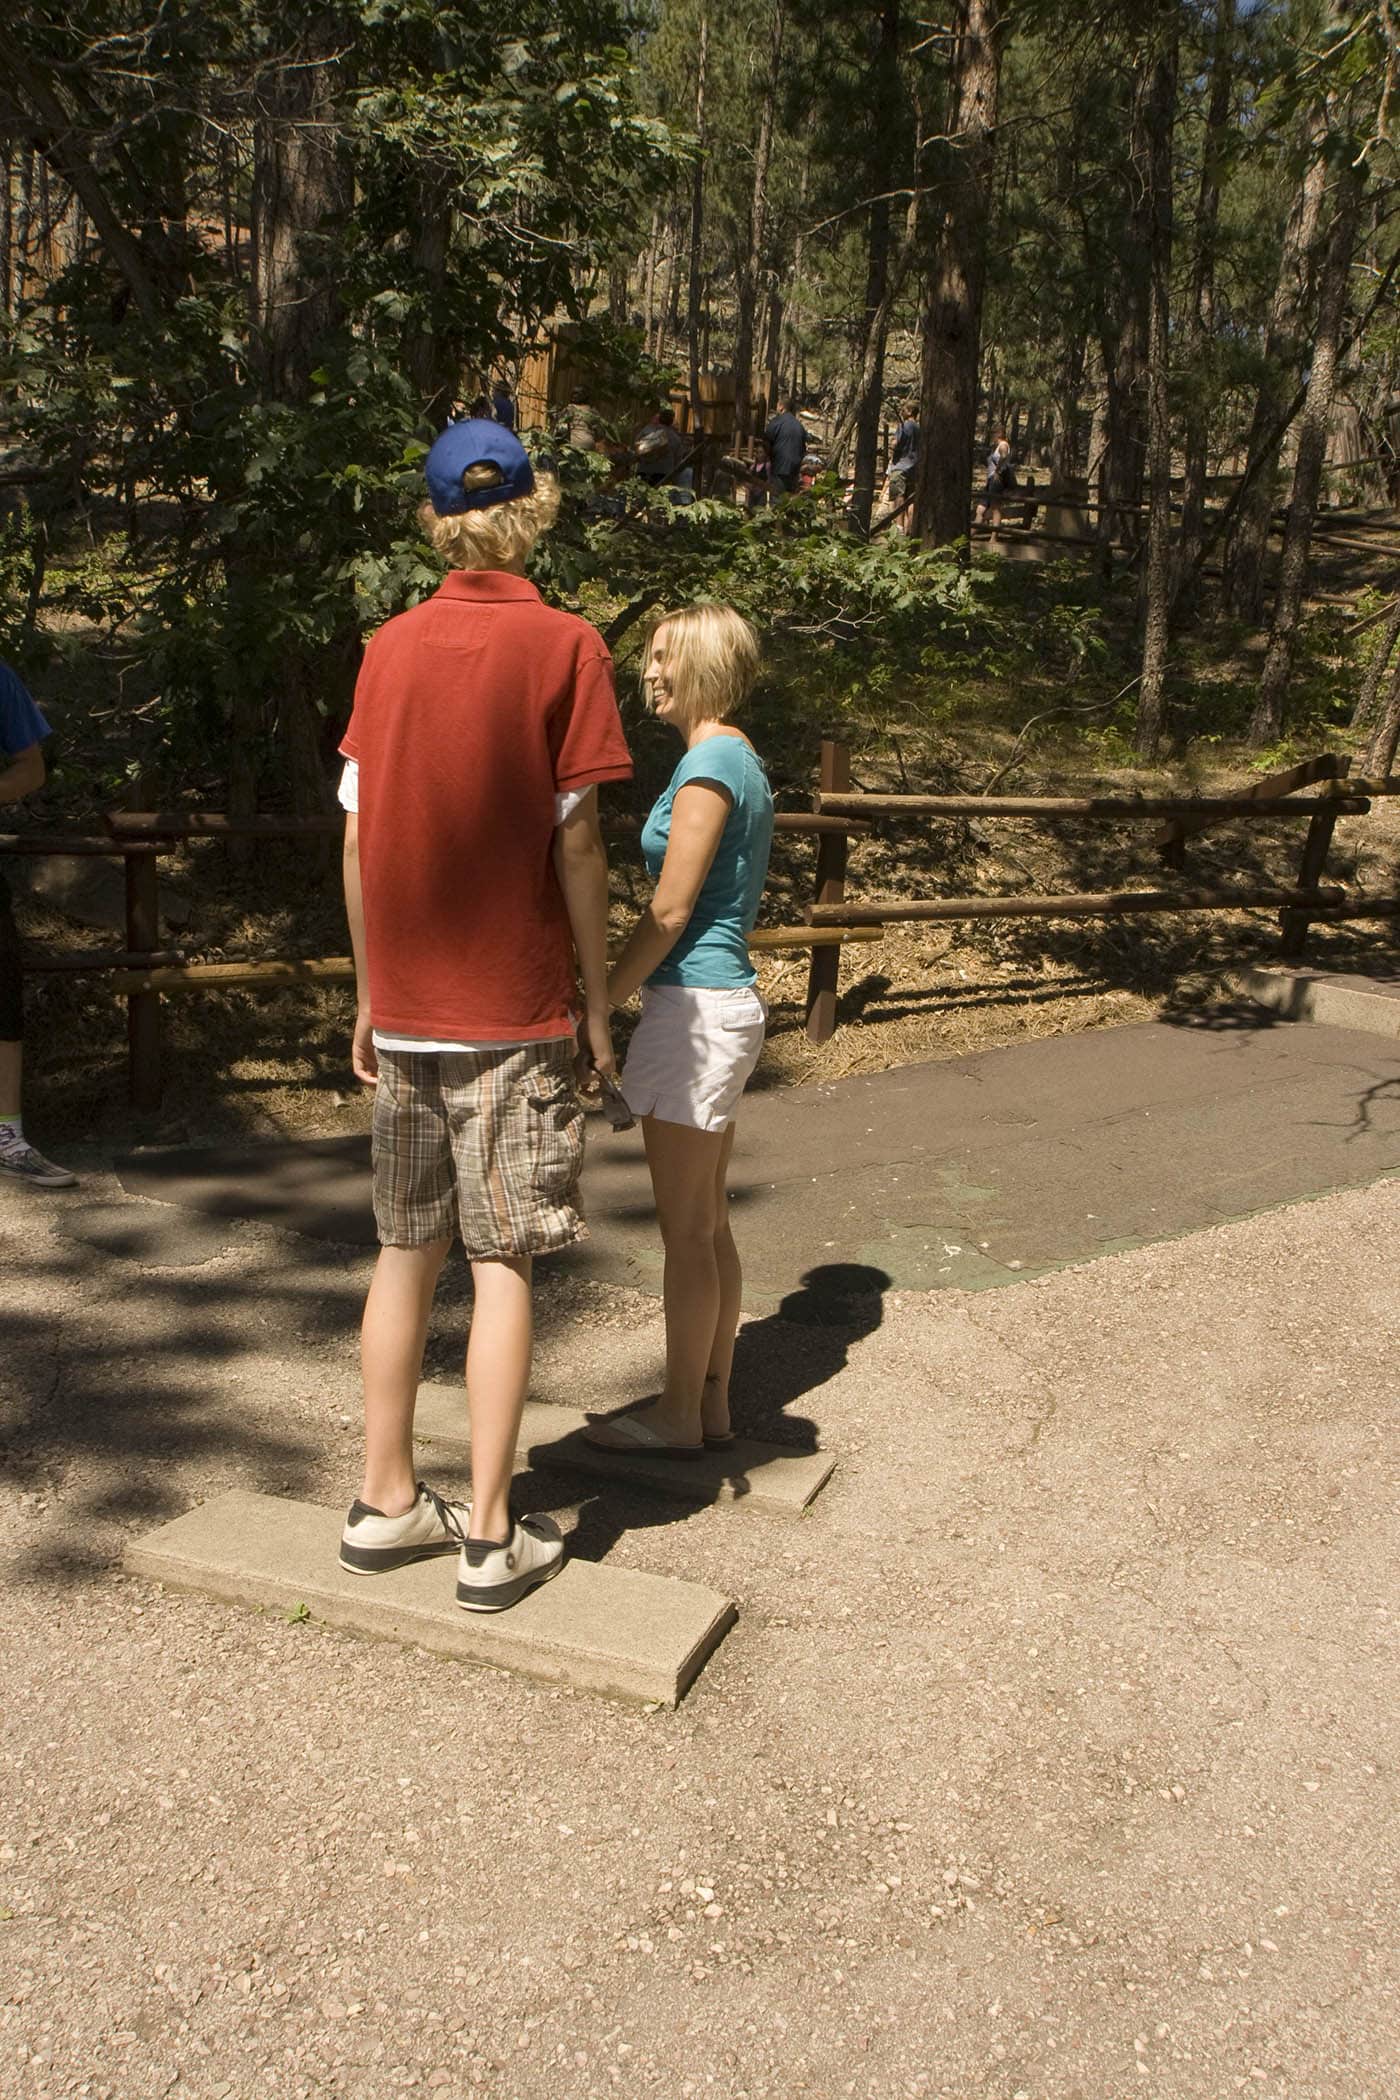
(471, 713)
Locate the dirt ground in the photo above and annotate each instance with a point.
(1052, 1757)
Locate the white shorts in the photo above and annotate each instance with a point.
(692, 1052)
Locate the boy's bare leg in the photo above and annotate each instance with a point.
(498, 1378)
(392, 1339)
(714, 1411)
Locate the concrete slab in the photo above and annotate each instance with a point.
(616, 1631)
(1335, 998)
(976, 1172)
(771, 1477)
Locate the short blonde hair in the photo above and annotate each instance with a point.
(711, 658)
(500, 534)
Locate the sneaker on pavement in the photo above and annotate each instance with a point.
(492, 1578)
(372, 1543)
(21, 1162)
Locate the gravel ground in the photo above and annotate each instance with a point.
(1053, 1755)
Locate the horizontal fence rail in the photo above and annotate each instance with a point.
(1089, 904)
(1114, 808)
(143, 972)
(1186, 816)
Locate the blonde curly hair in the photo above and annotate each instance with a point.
(500, 535)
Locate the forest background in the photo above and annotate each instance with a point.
(251, 257)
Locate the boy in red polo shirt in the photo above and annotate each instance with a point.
(474, 873)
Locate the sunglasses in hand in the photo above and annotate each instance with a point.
(613, 1103)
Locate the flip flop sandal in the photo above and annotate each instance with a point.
(639, 1440)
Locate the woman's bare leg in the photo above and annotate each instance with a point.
(714, 1412)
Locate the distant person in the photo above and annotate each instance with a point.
(22, 732)
(706, 845)
(786, 443)
(579, 425)
(474, 876)
(660, 449)
(1000, 483)
(480, 410)
(502, 407)
(904, 461)
(905, 456)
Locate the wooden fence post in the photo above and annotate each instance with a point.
(1293, 925)
(825, 970)
(143, 1008)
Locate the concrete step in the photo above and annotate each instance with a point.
(617, 1631)
(770, 1477)
(1335, 998)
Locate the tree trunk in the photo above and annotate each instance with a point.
(1380, 752)
(955, 283)
(1064, 415)
(1160, 114)
(1375, 671)
(868, 402)
(433, 356)
(1248, 543)
(1200, 315)
(649, 294)
(666, 319)
(751, 272)
(697, 228)
(1267, 722)
(1125, 354)
(50, 129)
(297, 190)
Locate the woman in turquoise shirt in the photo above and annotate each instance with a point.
(706, 845)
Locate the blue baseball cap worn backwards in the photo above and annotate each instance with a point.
(476, 443)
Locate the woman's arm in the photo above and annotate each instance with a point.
(698, 817)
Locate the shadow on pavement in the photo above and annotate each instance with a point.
(778, 1361)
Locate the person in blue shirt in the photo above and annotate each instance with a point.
(502, 407)
(706, 845)
(786, 443)
(22, 732)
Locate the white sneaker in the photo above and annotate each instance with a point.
(21, 1162)
(372, 1543)
(491, 1578)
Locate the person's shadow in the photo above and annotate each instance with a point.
(778, 1361)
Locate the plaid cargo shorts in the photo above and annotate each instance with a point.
(487, 1143)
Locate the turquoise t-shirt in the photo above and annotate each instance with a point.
(714, 948)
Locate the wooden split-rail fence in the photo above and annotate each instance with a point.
(145, 973)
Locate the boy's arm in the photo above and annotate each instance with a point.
(22, 775)
(362, 1054)
(581, 864)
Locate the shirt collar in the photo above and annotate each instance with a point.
(486, 587)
